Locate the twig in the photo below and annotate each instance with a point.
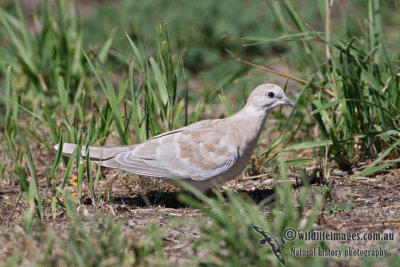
(13, 211)
(43, 83)
(328, 5)
(291, 77)
(254, 177)
(326, 173)
(328, 27)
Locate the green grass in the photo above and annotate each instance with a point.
(88, 241)
(130, 81)
(362, 108)
(228, 235)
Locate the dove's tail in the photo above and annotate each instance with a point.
(96, 153)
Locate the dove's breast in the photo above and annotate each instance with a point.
(245, 153)
(244, 134)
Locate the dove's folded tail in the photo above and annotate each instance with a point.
(96, 153)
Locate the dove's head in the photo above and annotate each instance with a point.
(268, 96)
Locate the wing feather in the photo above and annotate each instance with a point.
(198, 154)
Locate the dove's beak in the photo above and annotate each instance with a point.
(286, 101)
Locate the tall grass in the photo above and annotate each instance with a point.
(53, 51)
(51, 82)
(361, 117)
(87, 241)
(228, 236)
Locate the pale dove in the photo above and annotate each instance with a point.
(203, 153)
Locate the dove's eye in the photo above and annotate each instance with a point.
(271, 94)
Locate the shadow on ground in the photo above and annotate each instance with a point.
(172, 199)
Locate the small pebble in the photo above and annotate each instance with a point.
(131, 223)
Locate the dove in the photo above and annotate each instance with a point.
(204, 153)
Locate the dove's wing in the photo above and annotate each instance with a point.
(199, 152)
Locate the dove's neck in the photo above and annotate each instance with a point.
(249, 122)
(254, 115)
